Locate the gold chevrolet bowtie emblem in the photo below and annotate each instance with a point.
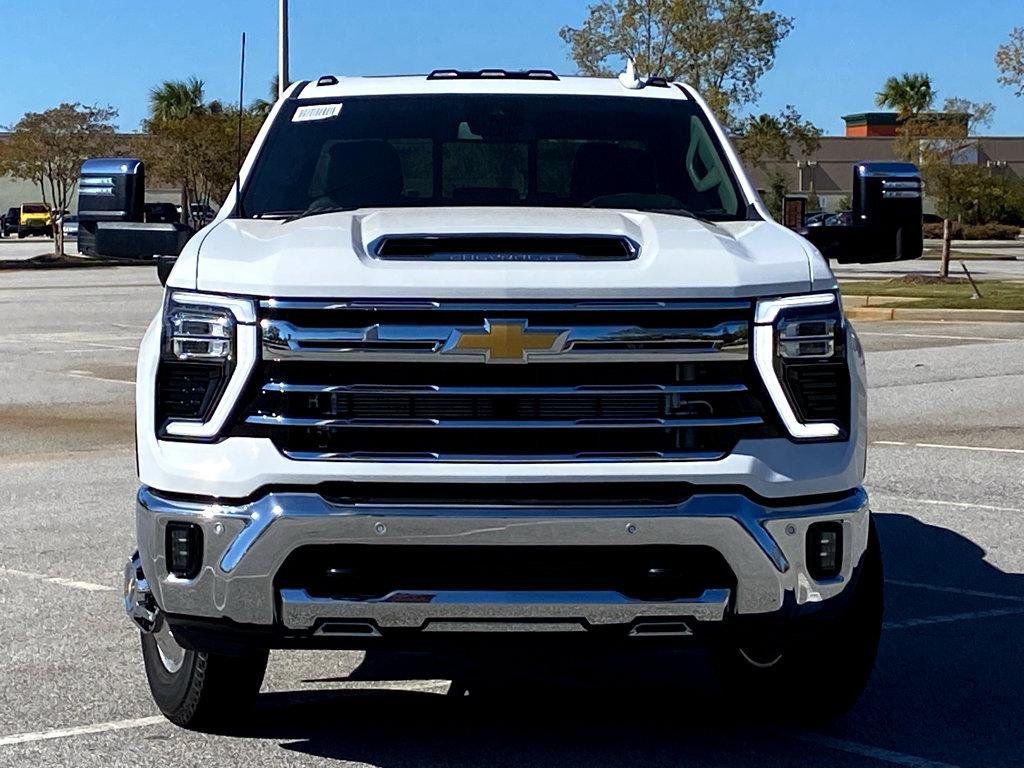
(505, 341)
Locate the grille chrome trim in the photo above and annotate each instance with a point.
(414, 389)
(511, 424)
(369, 456)
(511, 304)
(283, 340)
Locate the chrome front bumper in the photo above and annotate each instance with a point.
(245, 545)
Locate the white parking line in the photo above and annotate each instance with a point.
(997, 449)
(859, 749)
(74, 731)
(941, 336)
(949, 503)
(63, 581)
(89, 375)
(956, 590)
(961, 617)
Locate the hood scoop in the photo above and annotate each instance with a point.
(505, 248)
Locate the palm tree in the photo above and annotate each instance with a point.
(176, 99)
(909, 94)
(262, 107)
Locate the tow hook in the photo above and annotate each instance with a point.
(139, 604)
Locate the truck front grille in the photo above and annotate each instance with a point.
(538, 381)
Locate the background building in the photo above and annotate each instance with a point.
(871, 136)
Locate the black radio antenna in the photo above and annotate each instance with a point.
(238, 145)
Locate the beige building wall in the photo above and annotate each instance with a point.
(830, 168)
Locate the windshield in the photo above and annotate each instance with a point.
(492, 150)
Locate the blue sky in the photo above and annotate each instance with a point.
(114, 51)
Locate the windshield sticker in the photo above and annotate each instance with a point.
(316, 112)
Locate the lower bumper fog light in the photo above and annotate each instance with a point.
(184, 549)
(825, 550)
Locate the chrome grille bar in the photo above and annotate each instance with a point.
(427, 389)
(514, 424)
(283, 340)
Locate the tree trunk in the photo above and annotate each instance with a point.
(947, 237)
(185, 212)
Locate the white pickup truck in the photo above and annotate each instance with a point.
(479, 357)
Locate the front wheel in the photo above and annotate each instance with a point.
(821, 674)
(198, 690)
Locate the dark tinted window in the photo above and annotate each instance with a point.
(493, 150)
(33, 209)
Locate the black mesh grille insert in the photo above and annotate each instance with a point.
(186, 390)
(640, 572)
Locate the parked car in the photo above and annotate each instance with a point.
(815, 218)
(34, 219)
(9, 222)
(162, 212)
(405, 401)
(201, 214)
(69, 226)
(840, 219)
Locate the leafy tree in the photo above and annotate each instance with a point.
(721, 47)
(1010, 61)
(48, 148)
(942, 146)
(199, 152)
(765, 138)
(773, 137)
(909, 94)
(775, 195)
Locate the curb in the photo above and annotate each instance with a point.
(910, 313)
(79, 263)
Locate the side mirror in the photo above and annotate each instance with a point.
(140, 240)
(164, 265)
(885, 221)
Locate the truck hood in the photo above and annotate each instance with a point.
(329, 255)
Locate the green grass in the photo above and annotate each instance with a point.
(953, 294)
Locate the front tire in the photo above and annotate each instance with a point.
(197, 690)
(821, 674)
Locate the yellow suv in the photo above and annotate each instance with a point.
(34, 219)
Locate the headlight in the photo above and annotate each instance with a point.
(800, 352)
(208, 349)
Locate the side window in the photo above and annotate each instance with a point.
(705, 168)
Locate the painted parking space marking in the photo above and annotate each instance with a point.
(75, 731)
(949, 503)
(941, 336)
(82, 374)
(76, 584)
(959, 617)
(956, 590)
(952, 447)
(860, 749)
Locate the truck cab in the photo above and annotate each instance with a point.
(500, 357)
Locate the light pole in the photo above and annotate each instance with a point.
(282, 47)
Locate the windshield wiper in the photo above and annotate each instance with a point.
(275, 214)
(318, 211)
(675, 212)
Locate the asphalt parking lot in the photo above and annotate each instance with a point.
(946, 475)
